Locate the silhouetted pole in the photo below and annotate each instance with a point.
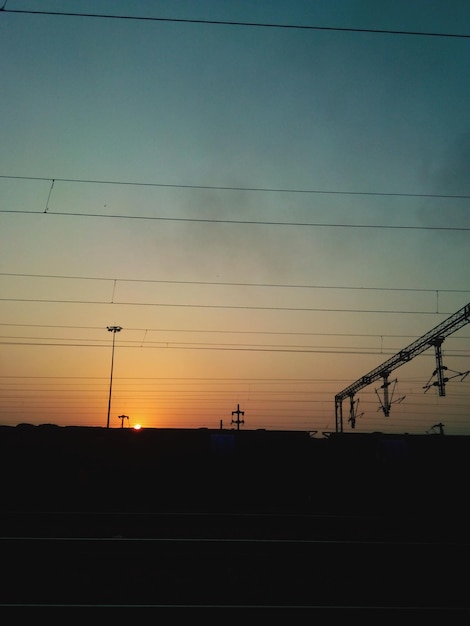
(238, 421)
(122, 418)
(114, 330)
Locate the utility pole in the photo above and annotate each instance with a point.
(238, 421)
(439, 426)
(114, 330)
(122, 418)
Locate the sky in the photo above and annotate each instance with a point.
(270, 198)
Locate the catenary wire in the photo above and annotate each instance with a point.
(378, 31)
(241, 222)
(221, 332)
(173, 346)
(227, 188)
(234, 284)
(223, 306)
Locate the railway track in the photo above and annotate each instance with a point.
(324, 563)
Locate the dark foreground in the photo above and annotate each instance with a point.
(352, 525)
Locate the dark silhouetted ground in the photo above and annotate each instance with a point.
(356, 524)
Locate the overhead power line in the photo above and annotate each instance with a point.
(192, 379)
(52, 182)
(222, 332)
(238, 222)
(234, 284)
(230, 188)
(378, 31)
(221, 348)
(220, 306)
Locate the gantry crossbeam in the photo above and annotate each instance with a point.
(433, 338)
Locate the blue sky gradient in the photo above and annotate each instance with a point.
(268, 212)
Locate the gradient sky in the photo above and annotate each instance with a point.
(269, 213)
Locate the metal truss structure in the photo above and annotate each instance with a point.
(433, 338)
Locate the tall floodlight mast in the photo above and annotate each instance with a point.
(433, 338)
(114, 330)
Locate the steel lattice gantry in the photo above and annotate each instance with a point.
(433, 338)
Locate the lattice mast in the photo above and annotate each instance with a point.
(433, 338)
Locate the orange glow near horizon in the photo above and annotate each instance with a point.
(283, 257)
